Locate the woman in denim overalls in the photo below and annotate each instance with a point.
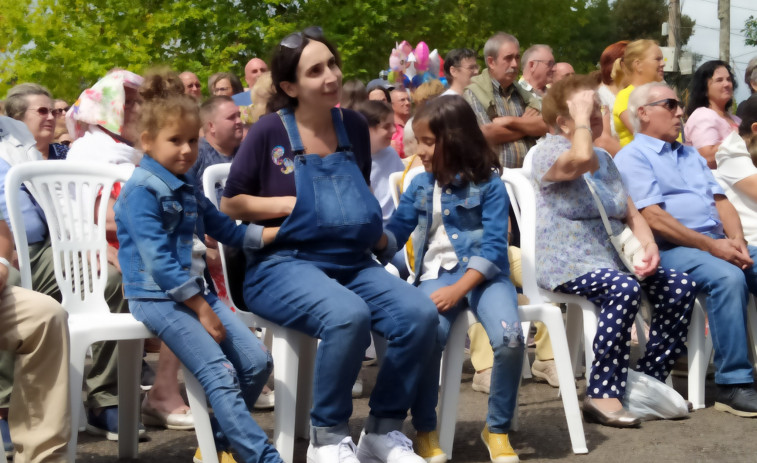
(318, 275)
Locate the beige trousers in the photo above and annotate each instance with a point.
(34, 327)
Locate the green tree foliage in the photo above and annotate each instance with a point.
(750, 31)
(66, 45)
(642, 19)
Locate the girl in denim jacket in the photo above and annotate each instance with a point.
(162, 220)
(459, 206)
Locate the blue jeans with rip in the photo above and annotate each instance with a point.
(232, 373)
(727, 288)
(495, 304)
(340, 302)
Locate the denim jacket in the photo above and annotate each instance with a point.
(158, 215)
(474, 216)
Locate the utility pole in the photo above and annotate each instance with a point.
(674, 32)
(724, 15)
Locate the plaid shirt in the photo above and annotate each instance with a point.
(508, 103)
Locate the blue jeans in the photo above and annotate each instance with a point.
(727, 288)
(232, 373)
(340, 303)
(495, 304)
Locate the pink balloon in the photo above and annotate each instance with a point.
(421, 56)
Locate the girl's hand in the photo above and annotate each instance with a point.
(650, 261)
(269, 234)
(581, 105)
(446, 298)
(381, 243)
(212, 324)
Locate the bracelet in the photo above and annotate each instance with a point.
(584, 127)
(5, 262)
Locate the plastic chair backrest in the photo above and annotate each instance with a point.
(523, 201)
(215, 175)
(67, 192)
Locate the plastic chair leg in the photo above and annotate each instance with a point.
(452, 364)
(78, 352)
(308, 347)
(129, 363)
(574, 330)
(551, 316)
(526, 370)
(199, 406)
(697, 357)
(286, 349)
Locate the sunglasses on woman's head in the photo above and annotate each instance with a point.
(295, 39)
(671, 104)
(43, 111)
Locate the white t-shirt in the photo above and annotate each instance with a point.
(383, 163)
(449, 91)
(735, 165)
(440, 253)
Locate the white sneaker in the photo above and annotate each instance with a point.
(393, 447)
(357, 388)
(343, 452)
(266, 400)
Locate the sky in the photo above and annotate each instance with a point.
(706, 37)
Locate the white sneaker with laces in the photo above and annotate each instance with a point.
(393, 447)
(343, 452)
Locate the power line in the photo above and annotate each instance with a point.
(732, 6)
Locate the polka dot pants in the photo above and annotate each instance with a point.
(618, 296)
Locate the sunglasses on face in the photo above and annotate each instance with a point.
(296, 39)
(44, 112)
(193, 85)
(671, 104)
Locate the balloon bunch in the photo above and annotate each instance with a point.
(412, 67)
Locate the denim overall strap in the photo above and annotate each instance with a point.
(290, 124)
(341, 132)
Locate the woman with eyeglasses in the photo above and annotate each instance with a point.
(709, 109)
(642, 63)
(303, 173)
(32, 104)
(576, 256)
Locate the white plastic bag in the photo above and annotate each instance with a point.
(651, 399)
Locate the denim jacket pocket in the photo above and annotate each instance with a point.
(171, 213)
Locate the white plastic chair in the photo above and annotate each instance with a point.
(537, 309)
(67, 192)
(294, 355)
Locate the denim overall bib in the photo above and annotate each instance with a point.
(336, 213)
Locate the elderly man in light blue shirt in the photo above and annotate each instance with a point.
(698, 232)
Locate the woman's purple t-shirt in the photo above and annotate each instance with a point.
(264, 163)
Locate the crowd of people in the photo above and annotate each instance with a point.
(311, 193)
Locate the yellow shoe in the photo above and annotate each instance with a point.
(223, 457)
(426, 445)
(500, 450)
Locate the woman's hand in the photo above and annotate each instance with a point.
(650, 261)
(446, 297)
(581, 106)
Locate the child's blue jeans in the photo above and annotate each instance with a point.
(232, 373)
(495, 304)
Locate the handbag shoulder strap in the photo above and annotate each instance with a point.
(600, 206)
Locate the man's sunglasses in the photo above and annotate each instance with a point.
(295, 39)
(43, 111)
(671, 104)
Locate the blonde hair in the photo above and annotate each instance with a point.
(261, 93)
(623, 68)
(427, 91)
